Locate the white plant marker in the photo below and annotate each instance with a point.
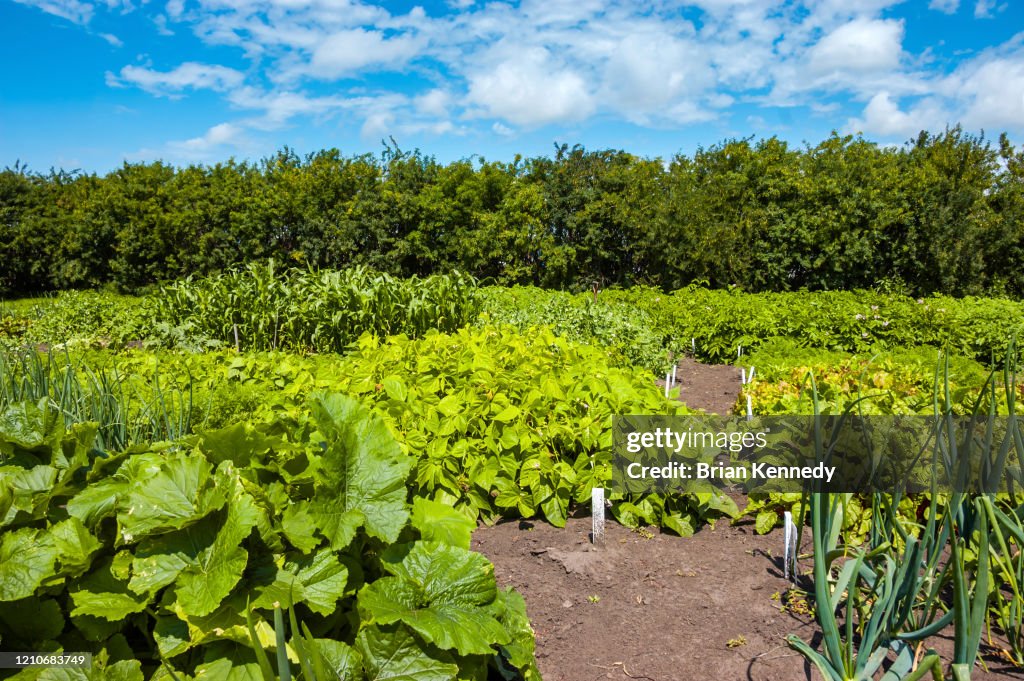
(743, 376)
(750, 409)
(668, 381)
(675, 370)
(750, 375)
(693, 346)
(789, 550)
(739, 351)
(597, 515)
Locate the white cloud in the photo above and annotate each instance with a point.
(646, 73)
(224, 133)
(947, 6)
(859, 46)
(992, 89)
(190, 75)
(530, 89)
(502, 130)
(884, 117)
(983, 9)
(349, 52)
(112, 39)
(501, 67)
(72, 10)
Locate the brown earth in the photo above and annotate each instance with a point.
(653, 606)
(711, 387)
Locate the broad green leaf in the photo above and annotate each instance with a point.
(171, 635)
(46, 622)
(298, 527)
(169, 496)
(765, 521)
(239, 443)
(75, 546)
(519, 651)
(100, 594)
(27, 559)
(341, 659)
(394, 654)
(395, 388)
(318, 581)
(204, 583)
(508, 414)
(228, 661)
(441, 523)
(30, 491)
(440, 591)
(97, 501)
(363, 474)
(29, 426)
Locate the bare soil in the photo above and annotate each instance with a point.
(654, 606)
(647, 605)
(714, 388)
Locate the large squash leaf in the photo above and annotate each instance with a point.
(441, 592)
(363, 474)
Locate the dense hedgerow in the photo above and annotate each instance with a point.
(943, 213)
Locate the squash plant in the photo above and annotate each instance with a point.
(168, 560)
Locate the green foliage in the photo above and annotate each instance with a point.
(627, 334)
(940, 214)
(178, 556)
(75, 318)
(719, 322)
(263, 307)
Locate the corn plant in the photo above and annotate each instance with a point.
(265, 307)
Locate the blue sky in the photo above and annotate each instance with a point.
(91, 83)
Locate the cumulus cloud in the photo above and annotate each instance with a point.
(349, 52)
(859, 46)
(190, 75)
(504, 67)
(530, 89)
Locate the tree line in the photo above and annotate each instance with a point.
(941, 213)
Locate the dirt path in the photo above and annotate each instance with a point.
(647, 605)
(711, 387)
(658, 607)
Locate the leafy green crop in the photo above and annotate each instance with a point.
(265, 306)
(170, 559)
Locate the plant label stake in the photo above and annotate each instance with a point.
(237, 345)
(750, 409)
(743, 376)
(789, 550)
(750, 375)
(675, 370)
(668, 378)
(597, 515)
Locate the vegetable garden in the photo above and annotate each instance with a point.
(276, 473)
